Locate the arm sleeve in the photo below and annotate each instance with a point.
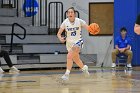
(138, 20)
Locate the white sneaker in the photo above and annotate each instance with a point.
(14, 69)
(1, 76)
(1, 70)
(129, 66)
(113, 65)
(85, 71)
(65, 77)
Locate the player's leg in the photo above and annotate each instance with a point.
(77, 60)
(69, 61)
(69, 66)
(76, 57)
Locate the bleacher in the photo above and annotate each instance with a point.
(39, 49)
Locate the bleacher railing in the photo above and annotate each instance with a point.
(14, 34)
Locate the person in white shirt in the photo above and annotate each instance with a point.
(74, 41)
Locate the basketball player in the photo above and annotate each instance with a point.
(74, 41)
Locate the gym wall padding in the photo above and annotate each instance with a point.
(125, 14)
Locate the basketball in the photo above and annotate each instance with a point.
(137, 30)
(94, 28)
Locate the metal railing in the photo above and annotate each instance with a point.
(55, 17)
(14, 34)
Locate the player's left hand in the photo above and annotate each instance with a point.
(62, 39)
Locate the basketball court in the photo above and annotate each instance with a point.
(28, 32)
(101, 81)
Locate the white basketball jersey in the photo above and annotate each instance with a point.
(73, 30)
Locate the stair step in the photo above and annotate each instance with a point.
(31, 39)
(19, 20)
(12, 57)
(2, 39)
(7, 12)
(88, 59)
(29, 30)
(47, 48)
(52, 58)
(16, 49)
(47, 60)
(28, 59)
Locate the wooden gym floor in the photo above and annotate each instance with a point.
(48, 81)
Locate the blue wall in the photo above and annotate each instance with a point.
(138, 6)
(125, 14)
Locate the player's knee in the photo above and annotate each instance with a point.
(69, 56)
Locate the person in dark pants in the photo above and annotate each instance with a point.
(5, 55)
(137, 26)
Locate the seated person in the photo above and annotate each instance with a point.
(137, 26)
(122, 45)
(5, 55)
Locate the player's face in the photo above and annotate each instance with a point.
(71, 14)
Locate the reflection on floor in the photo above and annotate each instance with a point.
(100, 81)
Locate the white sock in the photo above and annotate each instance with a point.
(67, 72)
(84, 67)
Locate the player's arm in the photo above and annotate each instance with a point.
(137, 29)
(60, 31)
(86, 27)
(84, 24)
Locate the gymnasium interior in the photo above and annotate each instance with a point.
(28, 31)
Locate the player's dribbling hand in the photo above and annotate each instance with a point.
(62, 39)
